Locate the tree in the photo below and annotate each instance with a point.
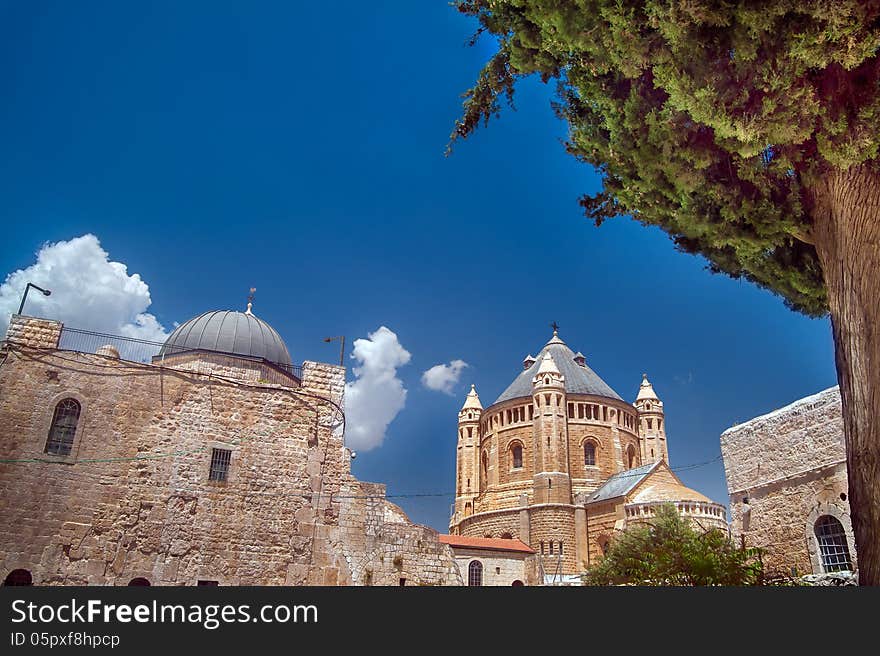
(670, 551)
(747, 131)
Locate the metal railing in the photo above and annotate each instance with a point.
(145, 351)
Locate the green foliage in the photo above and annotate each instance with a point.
(708, 118)
(670, 551)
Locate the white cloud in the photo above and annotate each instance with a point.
(444, 377)
(377, 395)
(88, 291)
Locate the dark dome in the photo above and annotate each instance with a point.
(227, 331)
(579, 378)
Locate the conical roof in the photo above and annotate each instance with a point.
(578, 379)
(472, 402)
(646, 390)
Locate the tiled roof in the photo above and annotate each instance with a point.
(622, 483)
(494, 544)
(578, 379)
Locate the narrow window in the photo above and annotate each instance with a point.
(589, 454)
(517, 452)
(475, 573)
(631, 456)
(650, 423)
(659, 424)
(219, 464)
(508, 416)
(531, 412)
(571, 410)
(547, 399)
(470, 432)
(551, 547)
(832, 544)
(604, 413)
(402, 583)
(542, 547)
(560, 549)
(63, 428)
(580, 410)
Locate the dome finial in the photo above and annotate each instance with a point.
(250, 301)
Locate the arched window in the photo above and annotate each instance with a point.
(631, 456)
(475, 573)
(832, 544)
(506, 536)
(140, 580)
(589, 453)
(485, 469)
(517, 584)
(18, 577)
(63, 428)
(516, 455)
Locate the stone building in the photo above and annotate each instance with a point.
(214, 462)
(560, 461)
(494, 561)
(786, 476)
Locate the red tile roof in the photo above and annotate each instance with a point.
(496, 544)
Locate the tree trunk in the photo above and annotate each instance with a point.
(846, 229)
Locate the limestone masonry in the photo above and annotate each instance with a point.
(786, 476)
(560, 462)
(208, 465)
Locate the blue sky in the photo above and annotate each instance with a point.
(216, 146)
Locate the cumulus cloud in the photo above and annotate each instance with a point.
(88, 291)
(377, 395)
(444, 377)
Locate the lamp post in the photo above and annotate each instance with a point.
(341, 339)
(46, 292)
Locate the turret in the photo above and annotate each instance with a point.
(652, 428)
(467, 482)
(552, 480)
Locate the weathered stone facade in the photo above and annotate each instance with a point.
(134, 498)
(495, 562)
(528, 465)
(785, 471)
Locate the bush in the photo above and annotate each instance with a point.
(671, 551)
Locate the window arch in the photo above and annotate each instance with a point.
(589, 453)
(63, 428)
(475, 573)
(516, 455)
(832, 544)
(140, 580)
(631, 456)
(18, 577)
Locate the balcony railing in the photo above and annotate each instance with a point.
(145, 351)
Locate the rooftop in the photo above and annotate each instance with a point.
(491, 544)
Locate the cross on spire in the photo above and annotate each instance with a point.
(555, 327)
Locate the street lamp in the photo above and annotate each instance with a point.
(341, 338)
(46, 292)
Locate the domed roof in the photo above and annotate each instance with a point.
(579, 379)
(228, 331)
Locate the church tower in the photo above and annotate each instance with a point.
(651, 423)
(552, 481)
(467, 483)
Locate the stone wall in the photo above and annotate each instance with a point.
(133, 497)
(382, 547)
(785, 470)
(500, 568)
(40, 333)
